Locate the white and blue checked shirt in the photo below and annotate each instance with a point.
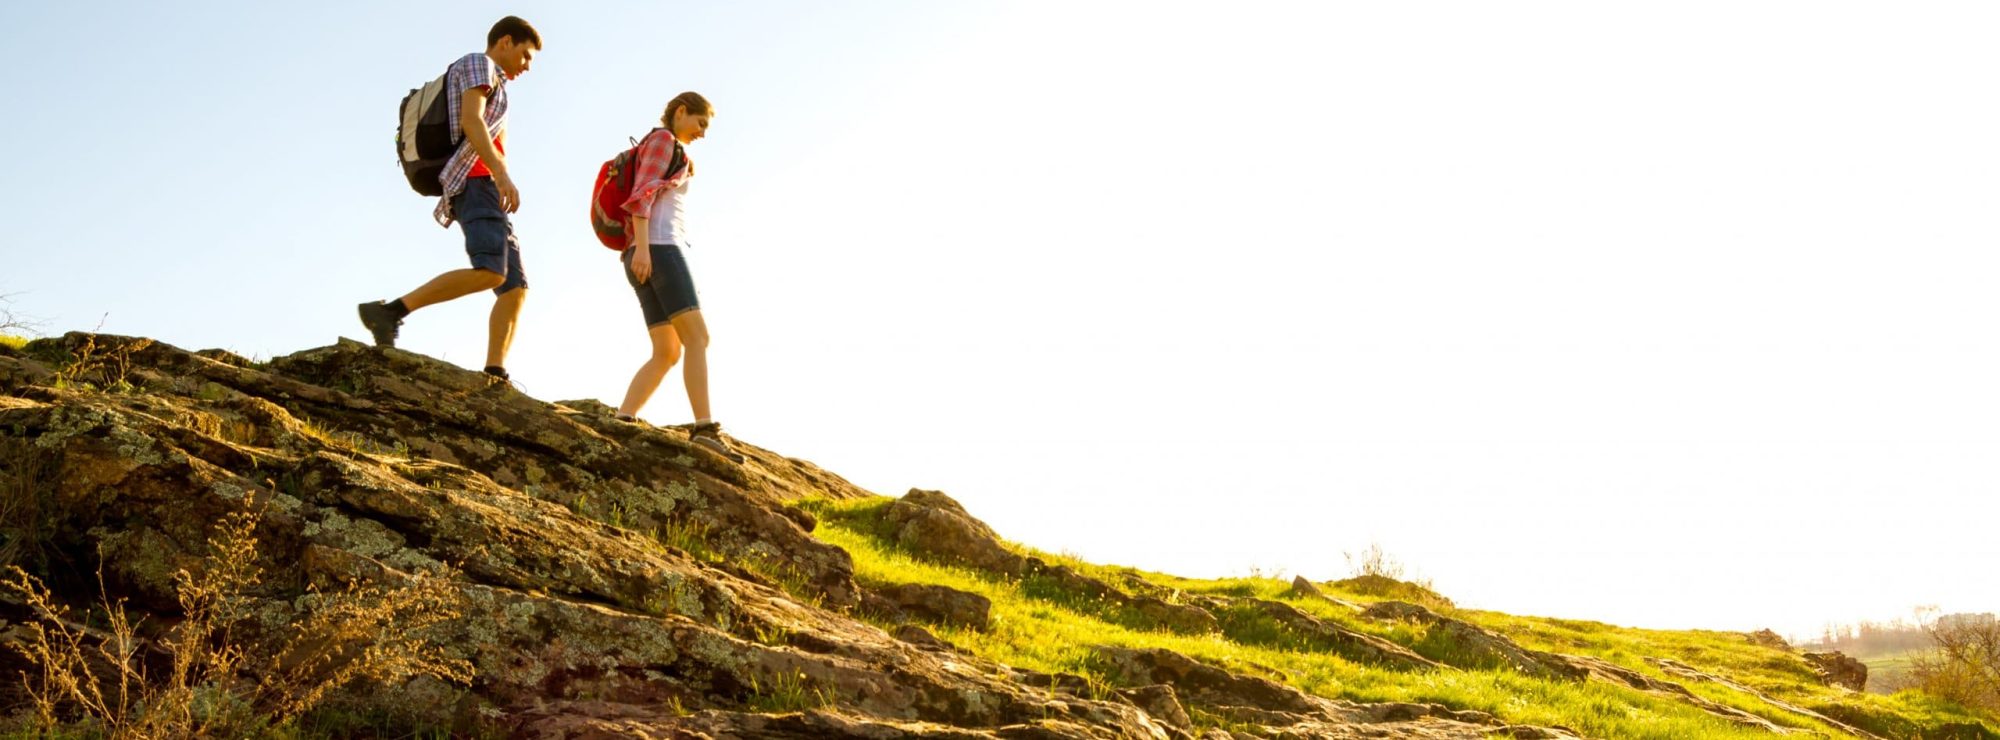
(470, 71)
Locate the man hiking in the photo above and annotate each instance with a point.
(478, 194)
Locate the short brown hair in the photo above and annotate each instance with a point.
(692, 102)
(513, 26)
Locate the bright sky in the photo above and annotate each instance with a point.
(1670, 315)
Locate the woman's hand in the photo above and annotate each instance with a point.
(642, 263)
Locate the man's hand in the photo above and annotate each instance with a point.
(510, 197)
(642, 263)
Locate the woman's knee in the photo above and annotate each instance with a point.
(666, 344)
(693, 331)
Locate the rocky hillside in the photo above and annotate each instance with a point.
(608, 579)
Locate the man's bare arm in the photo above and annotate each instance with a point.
(472, 118)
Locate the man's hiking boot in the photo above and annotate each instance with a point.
(381, 321)
(709, 434)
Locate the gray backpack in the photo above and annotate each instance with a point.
(423, 137)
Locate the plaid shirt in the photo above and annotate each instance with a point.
(470, 71)
(656, 154)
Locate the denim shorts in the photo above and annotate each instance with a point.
(489, 234)
(670, 290)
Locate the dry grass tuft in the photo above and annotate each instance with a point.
(217, 685)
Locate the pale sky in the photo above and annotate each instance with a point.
(1667, 315)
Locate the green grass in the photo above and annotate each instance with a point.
(1035, 626)
(1888, 669)
(13, 342)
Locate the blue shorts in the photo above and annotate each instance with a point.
(489, 234)
(670, 290)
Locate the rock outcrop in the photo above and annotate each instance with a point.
(933, 523)
(370, 465)
(1836, 669)
(612, 579)
(1769, 639)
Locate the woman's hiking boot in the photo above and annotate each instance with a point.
(709, 434)
(381, 321)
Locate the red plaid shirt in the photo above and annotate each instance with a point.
(470, 71)
(656, 153)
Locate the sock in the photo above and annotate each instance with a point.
(396, 307)
(497, 371)
(703, 422)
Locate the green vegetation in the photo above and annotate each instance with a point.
(1037, 625)
(787, 692)
(12, 342)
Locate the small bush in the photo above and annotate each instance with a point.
(1965, 667)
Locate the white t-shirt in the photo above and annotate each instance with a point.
(668, 223)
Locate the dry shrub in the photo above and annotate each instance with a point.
(1375, 561)
(103, 367)
(1377, 573)
(11, 322)
(1965, 666)
(100, 680)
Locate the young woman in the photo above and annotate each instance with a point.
(658, 271)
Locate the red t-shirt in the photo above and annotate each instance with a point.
(479, 165)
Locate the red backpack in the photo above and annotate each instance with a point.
(614, 187)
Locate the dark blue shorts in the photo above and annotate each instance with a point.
(670, 291)
(489, 234)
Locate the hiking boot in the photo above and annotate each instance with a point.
(381, 321)
(709, 435)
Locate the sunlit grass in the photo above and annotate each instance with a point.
(1047, 635)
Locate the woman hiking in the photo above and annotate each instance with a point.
(658, 272)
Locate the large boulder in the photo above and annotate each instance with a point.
(932, 523)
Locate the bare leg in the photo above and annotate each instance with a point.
(454, 284)
(666, 351)
(500, 325)
(694, 337)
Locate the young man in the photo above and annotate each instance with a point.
(478, 194)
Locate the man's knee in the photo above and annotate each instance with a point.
(490, 279)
